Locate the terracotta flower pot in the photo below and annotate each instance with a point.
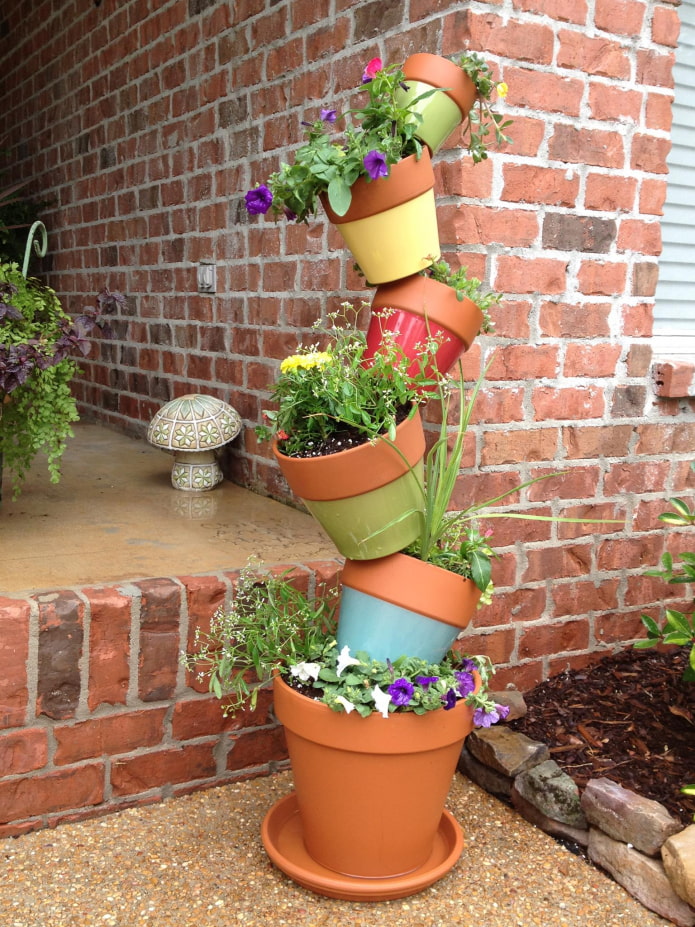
(441, 112)
(399, 605)
(367, 819)
(391, 225)
(416, 307)
(358, 495)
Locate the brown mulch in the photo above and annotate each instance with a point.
(629, 718)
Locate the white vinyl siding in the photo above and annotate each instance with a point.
(674, 315)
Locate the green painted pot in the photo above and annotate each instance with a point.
(366, 499)
(441, 112)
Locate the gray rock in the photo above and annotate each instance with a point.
(513, 699)
(506, 751)
(549, 825)
(489, 779)
(553, 792)
(678, 855)
(644, 878)
(626, 816)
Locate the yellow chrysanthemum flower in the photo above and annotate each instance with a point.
(305, 361)
(502, 90)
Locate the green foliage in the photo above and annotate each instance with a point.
(273, 627)
(482, 120)
(466, 288)
(678, 628)
(320, 393)
(269, 625)
(330, 164)
(37, 337)
(37, 415)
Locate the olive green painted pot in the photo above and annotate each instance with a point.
(367, 498)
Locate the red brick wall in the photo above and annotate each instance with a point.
(97, 715)
(147, 123)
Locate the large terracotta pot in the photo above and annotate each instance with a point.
(367, 499)
(399, 605)
(367, 818)
(441, 112)
(391, 225)
(416, 307)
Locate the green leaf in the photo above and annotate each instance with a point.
(676, 621)
(339, 196)
(645, 644)
(651, 626)
(481, 569)
(677, 637)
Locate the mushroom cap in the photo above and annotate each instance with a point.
(194, 423)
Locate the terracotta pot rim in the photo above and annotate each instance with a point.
(401, 732)
(408, 179)
(357, 470)
(443, 73)
(433, 301)
(407, 582)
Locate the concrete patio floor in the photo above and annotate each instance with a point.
(115, 516)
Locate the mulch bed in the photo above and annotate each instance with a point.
(629, 718)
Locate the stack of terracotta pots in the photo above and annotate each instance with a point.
(367, 818)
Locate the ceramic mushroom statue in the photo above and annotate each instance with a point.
(193, 427)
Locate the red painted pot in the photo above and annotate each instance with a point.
(418, 306)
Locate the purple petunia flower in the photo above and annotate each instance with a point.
(327, 115)
(289, 215)
(375, 164)
(468, 666)
(482, 718)
(258, 201)
(465, 683)
(401, 692)
(449, 700)
(426, 681)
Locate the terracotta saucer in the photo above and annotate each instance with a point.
(281, 832)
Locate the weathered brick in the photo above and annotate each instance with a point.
(14, 651)
(23, 751)
(578, 233)
(159, 639)
(108, 736)
(109, 646)
(57, 791)
(60, 650)
(159, 768)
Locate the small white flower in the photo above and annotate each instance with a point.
(381, 700)
(344, 659)
(348, 706)
(306, 671)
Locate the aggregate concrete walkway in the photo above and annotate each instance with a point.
(198, 861)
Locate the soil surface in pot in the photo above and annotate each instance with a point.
(342, 439)
(629, 718)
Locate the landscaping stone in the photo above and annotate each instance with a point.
(513, 699)
(489, 779)
(506, 751)
(553, 792)
(627, 816)
(549, 825)
(678, 856)
(643, 877)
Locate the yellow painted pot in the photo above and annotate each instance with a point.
(391, 225)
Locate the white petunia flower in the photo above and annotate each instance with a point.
(347, 705)
(381, 700)
(306, 671)
(344, 659)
